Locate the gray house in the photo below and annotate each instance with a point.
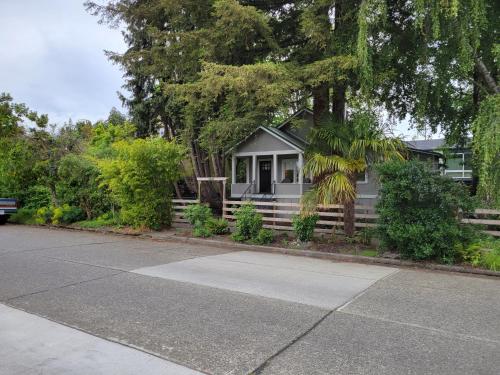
(268, 165)
(457, 160)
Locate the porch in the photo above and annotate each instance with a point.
(278, 174)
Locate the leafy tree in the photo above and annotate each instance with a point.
(15, 118)
(78, 185)
(19, 155)
(338, 153)
(433, 61)
(140, 177)
(104, 134)
(176, 49)
(486, 147)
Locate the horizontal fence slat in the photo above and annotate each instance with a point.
(286, 220)
(276, 204)
(366, 216)
(287, 204)
(180, 221)
(495, 233)
(365, 225)
(481, 221)
(286, 212)
(486, 211)
(194, 201)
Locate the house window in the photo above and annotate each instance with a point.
(459, 165)
(362, 177)
(289, 171)
(242, 171)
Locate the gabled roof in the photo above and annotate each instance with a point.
(296, 114)
(286, 137)
(426, 144)
(292, 140)
(434, 144)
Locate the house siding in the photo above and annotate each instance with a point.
(263, 142)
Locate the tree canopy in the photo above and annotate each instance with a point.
(212, 71)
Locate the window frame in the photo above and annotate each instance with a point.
(365, 180)
(295, 170)
(462, 171)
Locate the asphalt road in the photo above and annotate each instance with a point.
(82, 303)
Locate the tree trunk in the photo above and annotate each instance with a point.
(349, 218)
(339, 102)
(320, 103)
(487, 77)
(349, 213)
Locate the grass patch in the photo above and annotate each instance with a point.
(105, 220)
(369, 253)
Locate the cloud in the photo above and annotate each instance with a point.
(52, 59)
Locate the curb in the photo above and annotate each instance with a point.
(295, 252)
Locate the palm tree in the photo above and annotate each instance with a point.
(338, 153)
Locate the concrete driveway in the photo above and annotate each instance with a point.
(82, 303)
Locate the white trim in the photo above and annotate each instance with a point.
(234, 161)
(358, 196)
(295, 171)
(275, 168)
(267, 153)
(274, 196)
(234, 171)
(247, 162)
(365, 181)
(211, 178)
(254, 168)
(281, 139)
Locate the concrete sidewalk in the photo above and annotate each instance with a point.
(33, 345)
(219, 311)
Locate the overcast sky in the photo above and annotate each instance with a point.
(52, 58)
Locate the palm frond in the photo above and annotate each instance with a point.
(335, 188)
(319, 164)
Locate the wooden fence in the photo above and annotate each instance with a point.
(179, 206)
(278, 215)
(488, 218)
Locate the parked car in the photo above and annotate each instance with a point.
(8, 206)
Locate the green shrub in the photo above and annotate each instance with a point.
(366, 235)
(78, 185)
(201, 231)
(419, 211)
(71, 214)
(44, 215)
(105, 220)
(304, 225)
(217, 226)
(264, 237)
(23, 216)
(491, 260)
(140, 176)
(66, 214)
(38, 196)
(197, 214)
(248, 223)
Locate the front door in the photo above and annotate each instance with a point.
(265, 176)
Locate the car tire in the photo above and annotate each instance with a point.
(3, 219)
